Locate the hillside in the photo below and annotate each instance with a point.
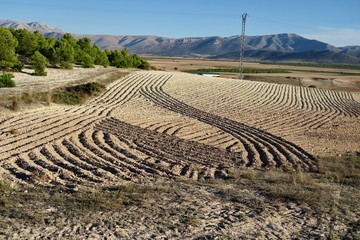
(171, 155)
(275, 47)
(32, 26)
(324, 56)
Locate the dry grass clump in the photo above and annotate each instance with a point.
(72, 95)
(15, 105)
(332, 192)
(38, 176)
(341, 169)
(334, 188)
(70, 201)
(14, 131)
(5, 186)
(78, 94)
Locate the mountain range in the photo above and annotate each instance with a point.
(275, 47)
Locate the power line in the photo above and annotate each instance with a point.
(242, 45)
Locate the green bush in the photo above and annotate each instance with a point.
(6, 81)
(18, 66)
(66, 65)
(145, 66)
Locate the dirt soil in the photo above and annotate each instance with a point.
(182, 132)
(326, 78)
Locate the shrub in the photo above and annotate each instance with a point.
(18, 66)
(145, 66)
(5, 186)
(15, 105)
(6, 80)
(66, 65)
(78, 94)
(249, 174)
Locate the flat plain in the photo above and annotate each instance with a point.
(198, 151)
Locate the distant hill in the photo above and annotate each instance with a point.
(325, 56)
(275, 47)
(351, 50)
(33, 26)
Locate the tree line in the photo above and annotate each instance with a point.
(21, 46)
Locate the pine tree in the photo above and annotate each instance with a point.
(39, 63)
(8, 43)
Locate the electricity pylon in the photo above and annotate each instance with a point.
(242, 45)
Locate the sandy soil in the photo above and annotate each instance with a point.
(154, 126)
(55, 78)
(182, 210)
(299, 75)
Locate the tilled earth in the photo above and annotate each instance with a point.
(157, 125)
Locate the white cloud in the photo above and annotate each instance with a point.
(338, 37)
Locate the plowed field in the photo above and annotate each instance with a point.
(151, 125)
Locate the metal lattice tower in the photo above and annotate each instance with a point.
(242, 45)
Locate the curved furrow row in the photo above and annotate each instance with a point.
(68, 164)
(83, 145)
(38, 174)
(254, 150)
(115, 89)
(295, 124)
(40, 122)
(131, 155)
(100, 167)
(52, 169)
(50, 118)
(260, 145)
(131, 161)
(207, 136)
(124, 172)
(27, 118)
(87, 170)
(104, 164)
(278, 97)
(41, 125)
(15, 173)
(171, 155)
(45, 135)
(123, 91)
(302, 108)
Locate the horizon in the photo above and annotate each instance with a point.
(201, 18)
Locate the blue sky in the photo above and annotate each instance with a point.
(332, 21)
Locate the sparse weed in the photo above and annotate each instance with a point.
(318, 190)
(37, 176)
(30, 97)
(78, 94)
(15, 105)
(14, 131)
(5, 186)
(341, 169)
(248, 174)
